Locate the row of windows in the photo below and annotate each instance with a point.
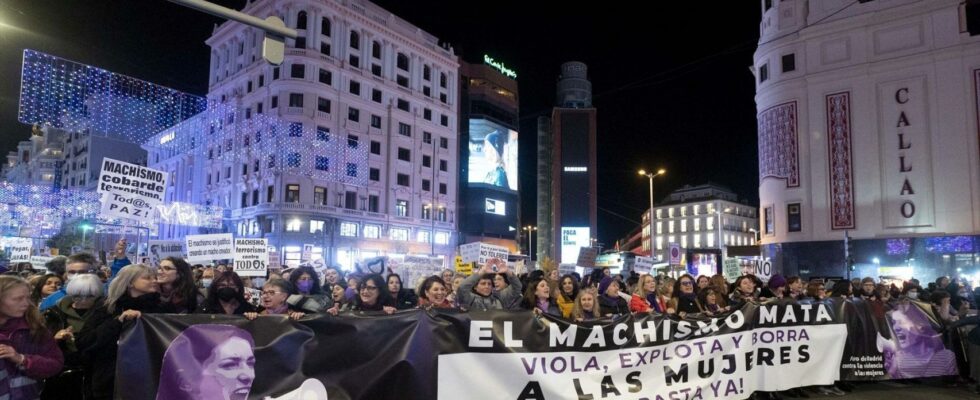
(794, 219)
(700, 241)
(788, 63)
(697, 209)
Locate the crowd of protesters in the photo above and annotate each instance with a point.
(59, 330)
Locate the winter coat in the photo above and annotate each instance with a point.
(42, 359)
(310, 303)
(406, 299)
(614, 306)
(98, 342)
(216, 308)
(507, 299)
(61, 317)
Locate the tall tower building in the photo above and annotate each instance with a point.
(489, 199)
(545, 233)
(573, 164)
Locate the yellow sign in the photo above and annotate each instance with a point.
(462, 268)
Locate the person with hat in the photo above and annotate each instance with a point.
(776, 289)
(610, 302)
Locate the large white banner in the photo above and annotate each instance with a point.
(729, 366)
(130, 191)
(251, 256)
(207, 248)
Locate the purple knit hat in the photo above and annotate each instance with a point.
(604, 284)
(777, 281)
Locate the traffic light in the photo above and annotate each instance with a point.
(850, 264)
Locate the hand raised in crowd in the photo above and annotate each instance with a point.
(119, 252)
(503, 268)
(65, 334)
(251, 316)
(128, 315)
(296, 315)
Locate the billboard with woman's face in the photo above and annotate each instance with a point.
(493, 154)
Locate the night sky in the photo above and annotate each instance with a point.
(672, 84)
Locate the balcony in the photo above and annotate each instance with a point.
(293, 111)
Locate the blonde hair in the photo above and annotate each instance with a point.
(665, 285)
(640, 291)
(32, 315)
(121, 283)
(578, 311)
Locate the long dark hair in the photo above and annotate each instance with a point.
(530, 296)
(36, 294)
(561, 283)
(298, 272)
(212, 299)
(384, 298)
(400, 283)
(184, 286)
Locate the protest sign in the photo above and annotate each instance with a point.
(642, 265)
(484, 254)
(251, 256)
(160, 249)
(207, 248)
(586, 257)
(20, 249)
(130, 191)
(732, 269)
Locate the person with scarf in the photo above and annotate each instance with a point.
(477, 292)
(645, 298)
(310, 296)
(684, 300)
(610, 302)
(565, 295)
(743, 292)
(372, 295)
(794, 285)
(65, 319)
(274, 295)
(708, 301)
(178, 294)
(537, 298)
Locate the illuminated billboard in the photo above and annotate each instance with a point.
(572, 240)
(498, 207)
(493, 154)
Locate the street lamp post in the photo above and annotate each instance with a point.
(650, 216)
(530, 249)
(721, 242)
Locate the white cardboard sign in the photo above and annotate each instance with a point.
(207, 248)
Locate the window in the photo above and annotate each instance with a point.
(770, 227)
(292, 193)
(442, 238)
(350, 200)
(426, 91)
(789, 62)
(442, 214)
(404, 154)
(404, 129)
(293, 160)
(683, 225)
(443, 165)
(258, 108)
(443, 98)
(763, 73)
(376, 70)
(295, 129)
(317, 226)
(244, 200)
(423, 236)
(376, 121)
(300, 43)
(794, 221)
(374, 174)
(319, 196)
(322, 163)
(348, 229)
(767, 4)
(352, 141)
(323, 134)
(426, 185)
(375, 49)
(294, 225)
(275, 73)
(426, 161)
(297, 71)
(426, 72)
(301, 20)
(323, 105)
(275, 102)
(244, 169)
(355, 88)
(427, 114)
(325, 48)
(325, 26)
(355, 40)
(261, 81)
(444, 143)
(401, 208)
(402, 81)
(376, 95)
(352, 170)
(296, 100)
(442, 80)
(354, 114)
(258, 136)
(270, 194)
(442, 188)
(375, 147)
(399, 234)
(255, 196)
(248, 87)
(402, 62)
(426, 137)
(403, 180)
(444, 120)
(326, 77)
(372, 231)
(404, 105)
(354, 61)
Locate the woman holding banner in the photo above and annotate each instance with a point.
(586, 307)
(309, 296)
(274, 295)
(565, 295)
(684, 300)
(178, 293)
(226, 296)
(744, 292)
(537, 298)
(372, 295)
(434, 293)
(404, 298)
(610, 302)
(645, 298)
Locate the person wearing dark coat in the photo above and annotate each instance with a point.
(133, 292)
(64, 320)
(226, 296)
(685, 300)
(610, 302)
(404, 298)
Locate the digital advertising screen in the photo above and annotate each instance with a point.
(493, 154)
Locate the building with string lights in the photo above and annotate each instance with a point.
(348, 148)
(868, 130)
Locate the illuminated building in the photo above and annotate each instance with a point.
(37, 161)
(867, 125)
(489, 178)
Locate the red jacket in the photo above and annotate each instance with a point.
(42, 359)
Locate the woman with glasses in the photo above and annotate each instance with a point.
(226, 296)
(65, 319)
(178, 293)
(273, 300)
(684, 300)
(372, 295)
